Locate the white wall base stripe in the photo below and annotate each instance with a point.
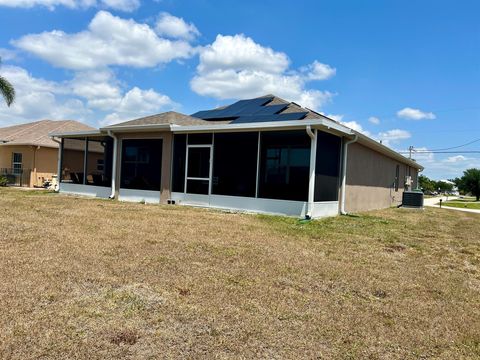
(132, 195)
(248, 204)
(85, 190)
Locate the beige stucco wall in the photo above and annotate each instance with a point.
(167, 138)
(41, 161)
(370, 179)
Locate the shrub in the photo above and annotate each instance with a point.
(3, 180)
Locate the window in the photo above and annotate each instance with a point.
(235, 164)
(284, 165)
(179, 157)
(397, 177)
(17, 163)
(141, 164)
(327, 167)
(99, 161)
(73, 161)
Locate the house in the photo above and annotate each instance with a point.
(28, 156)
(262, 155)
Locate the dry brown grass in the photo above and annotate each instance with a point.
(84, 278)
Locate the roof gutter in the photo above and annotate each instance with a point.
(344, 173)
(114, 165)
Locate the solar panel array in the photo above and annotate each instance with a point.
(253, 110)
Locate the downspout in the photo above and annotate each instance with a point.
(114, 165)
(59, 165)
(344, 173)
(311, 183)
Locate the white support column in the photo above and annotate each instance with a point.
(114, 165)
(59, 165)
(258, 166)
(313, 160)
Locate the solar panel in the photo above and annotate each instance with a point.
(265, 118)
(242, 108)
(270, 109)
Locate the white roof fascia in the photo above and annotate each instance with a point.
(268, 125)
(145, 127)
(76, 133)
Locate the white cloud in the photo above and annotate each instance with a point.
(336, 117)
(100, 88)
(393, 136)
(234, 67)
(37, 99)
(123, 5)
(357, 127)
(241, 53)
(109, 40)
(6, 54)
(136, 103)
(415, 114)
(89, 96)
(174, 27)
(319, 71)
(455, 159)
(374, 120)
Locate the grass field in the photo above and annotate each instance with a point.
(96, 279)
(467, 203)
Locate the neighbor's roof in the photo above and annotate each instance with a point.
(37, 133)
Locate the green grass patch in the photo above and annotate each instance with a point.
(463, 205)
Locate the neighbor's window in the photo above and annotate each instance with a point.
(141, 164)
(17, 163)
(327, 167)
(73, 157)
(235, 164)
(284, 165)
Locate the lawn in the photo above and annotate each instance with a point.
(467, 203)
(98, 279)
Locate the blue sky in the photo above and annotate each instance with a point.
(404, 72)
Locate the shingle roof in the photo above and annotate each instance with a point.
(36, 133)
(169, 117)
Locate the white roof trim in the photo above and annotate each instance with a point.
(144, 127)
(77, 133)
(267, 125)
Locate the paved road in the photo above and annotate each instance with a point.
(433, 202)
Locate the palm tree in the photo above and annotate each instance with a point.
(7, 90)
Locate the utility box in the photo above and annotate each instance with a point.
(412, 199)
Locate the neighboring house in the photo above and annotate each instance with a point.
(28, 156)
(263, 155)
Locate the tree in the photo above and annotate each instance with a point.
(470, 182)
(426, 184)
(7, 90)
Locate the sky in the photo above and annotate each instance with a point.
(406, 73)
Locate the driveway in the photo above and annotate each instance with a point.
(433, 202)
